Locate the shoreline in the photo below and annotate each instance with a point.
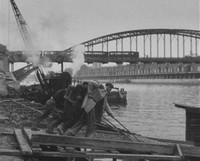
(187, 82)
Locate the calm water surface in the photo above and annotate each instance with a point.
(151, 112)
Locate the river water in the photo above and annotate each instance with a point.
(150, 110)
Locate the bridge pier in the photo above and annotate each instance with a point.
(4, 65)
(62, 66)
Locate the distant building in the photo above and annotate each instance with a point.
(96, 65)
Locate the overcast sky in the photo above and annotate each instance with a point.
(60, 24)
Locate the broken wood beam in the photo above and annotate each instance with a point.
(190, 151)
(134, 156)
(23, 144)
(91, 143)
(60, 154)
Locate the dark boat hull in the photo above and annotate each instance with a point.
(117, 98)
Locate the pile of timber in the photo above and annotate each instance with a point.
(39, 144)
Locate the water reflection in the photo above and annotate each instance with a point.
(151, 112)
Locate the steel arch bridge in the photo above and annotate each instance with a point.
(147, 45)
(150, 46)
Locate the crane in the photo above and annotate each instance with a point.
(23, 28)
(31, 47)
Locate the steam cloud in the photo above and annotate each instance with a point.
(77, 58)
(34, 56)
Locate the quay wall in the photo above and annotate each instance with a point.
(144, 73)
(149, 81)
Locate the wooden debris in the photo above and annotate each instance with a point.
(24, 146)
(103, 144)
(91, 143)
(134, 156)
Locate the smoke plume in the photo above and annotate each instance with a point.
(77, 58)
(33, 55)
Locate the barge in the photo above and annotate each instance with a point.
(117, 97)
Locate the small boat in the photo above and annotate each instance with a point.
(117, 97)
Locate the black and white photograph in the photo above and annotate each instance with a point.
(99, 80)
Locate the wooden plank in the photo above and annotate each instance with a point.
(10, 152)
(27, 132)
(91, 143)
(24, 146)
(179, 150)
(36, 149)
(107, 132)
(190, 151)
(109, 155)
(133, 138)
(134, 156)
(9, 133)
(60, 154)
(173, 141)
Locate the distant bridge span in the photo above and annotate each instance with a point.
(147, 45)
(135, 33)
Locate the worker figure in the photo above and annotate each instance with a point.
(73, 112)
(53, 106)
(95, 97)
(72, 108)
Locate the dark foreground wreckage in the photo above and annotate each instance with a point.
(107, 141)
(49, 84)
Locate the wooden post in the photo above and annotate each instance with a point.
(187, 131)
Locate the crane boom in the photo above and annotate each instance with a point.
(29, 43)
(32, 53)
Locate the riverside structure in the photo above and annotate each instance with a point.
(177, 73)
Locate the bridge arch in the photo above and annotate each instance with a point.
(149, 43)
(146, 46)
